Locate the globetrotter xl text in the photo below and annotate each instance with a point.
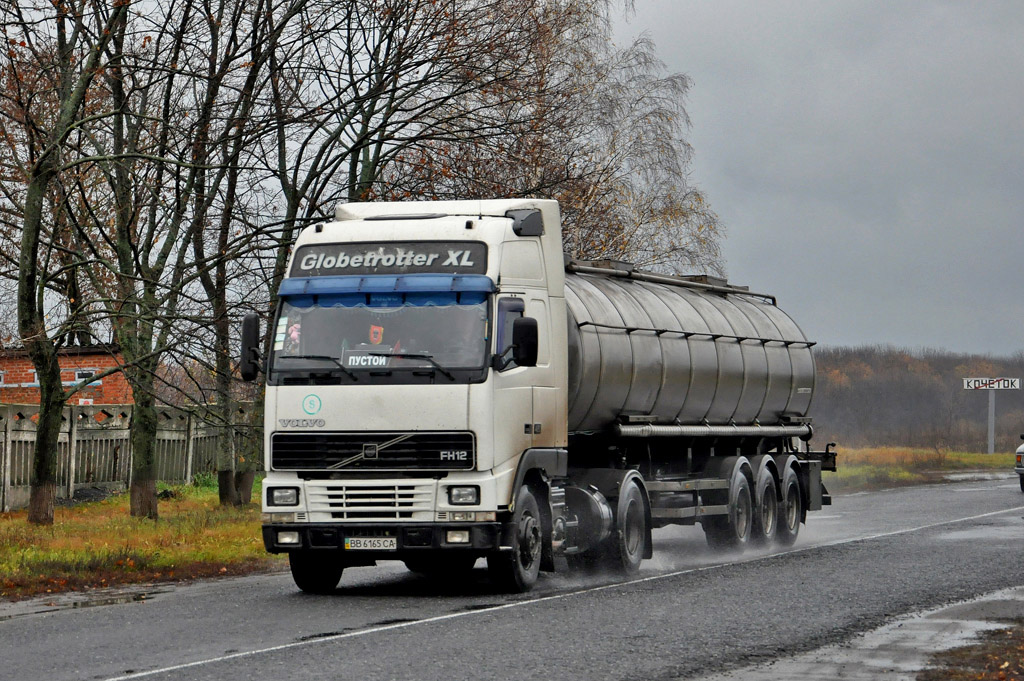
(390, 258)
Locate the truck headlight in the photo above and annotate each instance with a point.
(283, 496)
(468, 495)
(457, 537)
(288, 538)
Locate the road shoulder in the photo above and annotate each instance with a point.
(899, 650)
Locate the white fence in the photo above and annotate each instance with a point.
(95, 448)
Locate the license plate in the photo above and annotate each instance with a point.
(371, 544)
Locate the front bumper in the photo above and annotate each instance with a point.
(411, 539)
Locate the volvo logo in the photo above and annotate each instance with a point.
(302, 423)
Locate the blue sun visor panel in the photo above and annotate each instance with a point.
(389, 290)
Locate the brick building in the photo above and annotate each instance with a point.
(19, 385)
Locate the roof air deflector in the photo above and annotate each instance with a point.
(527, 221)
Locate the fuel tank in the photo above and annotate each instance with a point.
(682, 353)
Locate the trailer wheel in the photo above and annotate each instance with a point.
(732, 531)
(517, 570)
(626, 547)
(790, 510)
(315, 572)
(766, 510)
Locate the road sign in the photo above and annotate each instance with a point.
(991, 384)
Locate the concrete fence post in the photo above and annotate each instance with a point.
(72, 449)
(131, 454)
(5, 488)
(190, 445)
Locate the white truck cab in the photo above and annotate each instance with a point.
(397, 410)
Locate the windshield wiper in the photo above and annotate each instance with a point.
(416, 355)
(326, 358)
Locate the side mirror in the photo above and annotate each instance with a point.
(249, 362)
(525, 341)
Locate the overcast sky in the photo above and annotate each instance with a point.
(866, 158)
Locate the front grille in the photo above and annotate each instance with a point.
(374, 501)
(442, 451)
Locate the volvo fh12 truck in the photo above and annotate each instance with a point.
(444, 385)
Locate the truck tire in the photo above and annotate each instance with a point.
(623, 551)
(1022, 483)
(316, 572)
(732, 531)
(517, 570)
(628, 543)
(766, 510)
(790, 509)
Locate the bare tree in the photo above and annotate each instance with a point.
(184, 80)
(61, 46)
(599, 128)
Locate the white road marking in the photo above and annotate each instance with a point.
(981, 489)
(544, 599)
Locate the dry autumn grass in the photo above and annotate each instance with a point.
(97, 545)
(880, 467)
(997, 656)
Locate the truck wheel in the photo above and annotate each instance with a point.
(517, 570)
(766, 510)
(1022, 483)
(732, 531)
(627, 545)
(315, 572)
(790, 510)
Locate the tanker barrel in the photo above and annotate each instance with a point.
(688, 353)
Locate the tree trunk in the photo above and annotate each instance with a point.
(42, 351)
(143, 437)
(243, 484)
(44, 462)
(227, 492)
(40, 503)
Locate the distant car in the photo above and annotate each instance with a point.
(1019, 467)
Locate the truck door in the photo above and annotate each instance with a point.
(513, 389)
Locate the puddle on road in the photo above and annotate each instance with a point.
(326, 634)
(975, 476)
(75, 601)
(1013, 533)
(110, 600)
(482, 606)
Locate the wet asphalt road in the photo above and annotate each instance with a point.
(689, 614)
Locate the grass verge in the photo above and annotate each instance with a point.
(883, 467)
(97, 545)
(996, 656)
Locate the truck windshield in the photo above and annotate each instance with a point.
(395, 337)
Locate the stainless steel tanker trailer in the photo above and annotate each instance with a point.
(444, 386)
